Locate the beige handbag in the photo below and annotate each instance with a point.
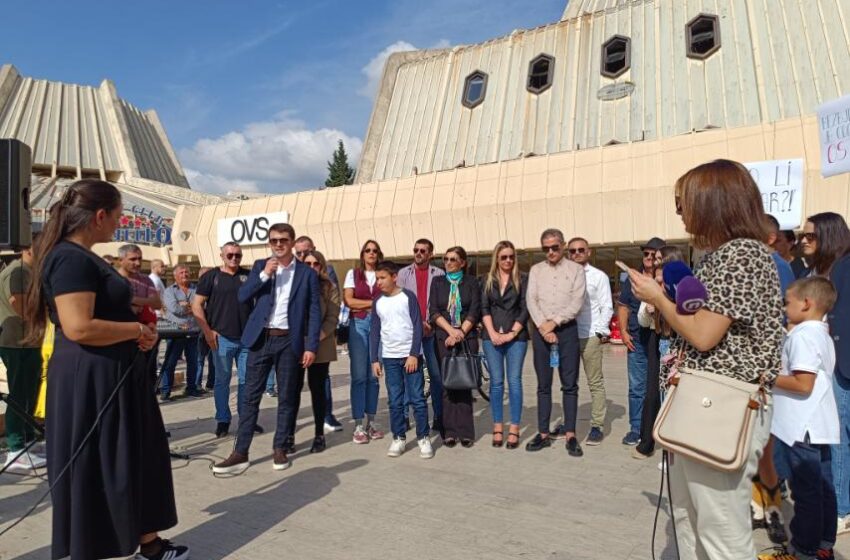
(709, 418)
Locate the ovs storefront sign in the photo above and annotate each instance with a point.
(249, 230)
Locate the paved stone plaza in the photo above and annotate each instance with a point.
(354, 502)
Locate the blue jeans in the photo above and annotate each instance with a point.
(430, 354)
(175, 348)
(814, 523)
(399, 384)
(270, 352)
(510, 356)
(329, 402)
(270, 381)
(364, 384)
(229, 350)
(637, 366)
(841, 452)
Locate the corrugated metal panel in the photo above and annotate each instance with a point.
(778, 59)
(66, 125)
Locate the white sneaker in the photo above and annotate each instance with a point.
(425, 449)
(843, 525)
(330, 428)
(26, 463)
(661, 467)
(396, 447)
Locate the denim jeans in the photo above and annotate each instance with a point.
(814, 523)
(208, 356)
(364, 384)
(637, 366)
(173, 350)
(429, 351)
(329, 402)
(841, 452)
(270, 352)
(229, 350)
(270, 381)
(399, 384)
(510, 357)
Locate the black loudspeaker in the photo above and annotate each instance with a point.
(15, 173)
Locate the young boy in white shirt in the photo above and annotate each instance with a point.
(395, 344)
(805, 417)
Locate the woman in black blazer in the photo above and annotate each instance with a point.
(455, 307)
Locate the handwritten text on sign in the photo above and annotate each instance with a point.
(781, 186)
(249, 230)
(834, 130)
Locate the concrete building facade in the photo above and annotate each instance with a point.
(584, 124)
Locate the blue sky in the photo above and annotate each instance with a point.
(252, 94)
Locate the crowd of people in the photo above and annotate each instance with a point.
(772, 317)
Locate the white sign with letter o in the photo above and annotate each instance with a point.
(781, 185)
(249, 230)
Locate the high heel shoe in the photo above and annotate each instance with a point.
(500, 441)
(512, 444)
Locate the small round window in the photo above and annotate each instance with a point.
(474, 89)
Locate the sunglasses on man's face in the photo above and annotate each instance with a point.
(279, 240)
(300, 254)
(551, 248)
(507, 257)
(579, 250)
(420, 251)
(233, 256)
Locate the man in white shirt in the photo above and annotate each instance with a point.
(158, 270)
(593, 331)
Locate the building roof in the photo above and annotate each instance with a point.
(78, 130)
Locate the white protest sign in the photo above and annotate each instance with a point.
(781, 185)
(834, 132)
(249, 230)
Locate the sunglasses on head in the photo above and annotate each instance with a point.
(233, 256)
(279, 240)
(808, 237)
(551, 248)
(579, 250)
(510, 257)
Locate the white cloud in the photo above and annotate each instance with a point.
(375, 68)
(217, 184)
(278, 155)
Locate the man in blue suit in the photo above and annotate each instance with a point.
(282, 332)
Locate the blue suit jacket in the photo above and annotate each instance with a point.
(839, 317)
(305, 316)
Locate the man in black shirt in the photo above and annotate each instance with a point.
(222, 319)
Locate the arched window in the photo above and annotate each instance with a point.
(703, 36)
(616, 56)
(474, 89)
(540, 73)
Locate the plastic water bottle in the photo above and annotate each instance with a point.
(554, 356)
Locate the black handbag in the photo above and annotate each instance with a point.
(461, 370)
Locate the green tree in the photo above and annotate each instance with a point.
(339, 172)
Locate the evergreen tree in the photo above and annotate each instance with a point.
(339, 172)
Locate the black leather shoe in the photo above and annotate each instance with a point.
(319, 444)
(538, 443)
(259, 429)
(289, 445)
(222, 429)
(574, 447)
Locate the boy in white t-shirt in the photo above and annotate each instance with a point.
(395, 344)
(805, 418)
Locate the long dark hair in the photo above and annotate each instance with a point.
(325, 283)
(72, 213)
(363, 251)
(833, 240)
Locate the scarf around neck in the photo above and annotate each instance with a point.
(455, 309)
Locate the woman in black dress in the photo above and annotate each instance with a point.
(118, 492)
(455, 307)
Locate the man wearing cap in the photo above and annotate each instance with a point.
(636, 338)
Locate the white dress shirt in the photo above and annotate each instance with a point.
(282, 288)
(598, 308)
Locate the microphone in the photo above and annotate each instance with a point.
(691, 295)
(674, 272)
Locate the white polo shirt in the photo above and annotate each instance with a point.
(808, 347)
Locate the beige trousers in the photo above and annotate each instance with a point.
(591, 357)
(712, 507)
